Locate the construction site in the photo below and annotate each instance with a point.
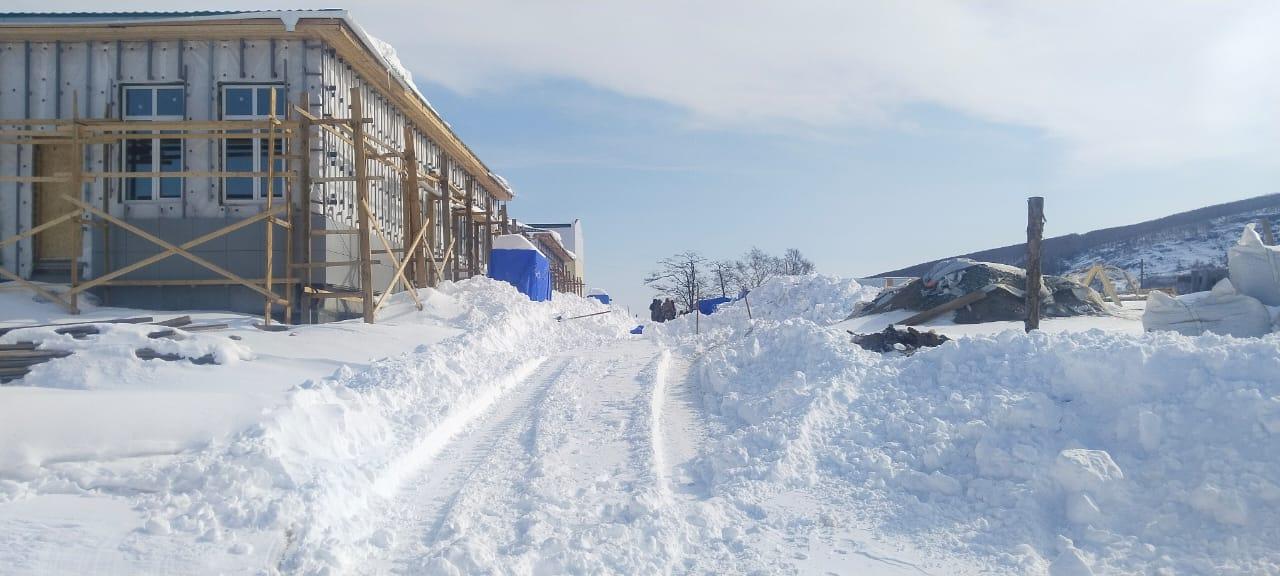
(280, 163)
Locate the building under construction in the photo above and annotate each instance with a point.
(275, 162)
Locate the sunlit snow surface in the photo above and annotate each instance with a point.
(485, 436)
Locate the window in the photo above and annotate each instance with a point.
(251, 154)
(150, 155)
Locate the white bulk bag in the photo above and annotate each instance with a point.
(1220, 311)
(1254, 267)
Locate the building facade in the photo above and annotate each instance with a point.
(229, 160)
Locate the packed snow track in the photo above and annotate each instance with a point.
(550, 477)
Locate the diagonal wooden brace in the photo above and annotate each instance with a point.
(65, 303)
(444, 262)
(41, 228)
(399, 275)
(171, 249)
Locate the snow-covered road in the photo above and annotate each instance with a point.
(556, 474)
(495, 439)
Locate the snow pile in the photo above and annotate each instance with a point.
(1094, 452)
(817, 298)
(112, 354)
(303, 480)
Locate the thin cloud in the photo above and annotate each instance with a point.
(1131, 83)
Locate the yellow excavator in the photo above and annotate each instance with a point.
(1102, 272)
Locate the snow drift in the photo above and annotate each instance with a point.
(1090, 451)
(303, 479)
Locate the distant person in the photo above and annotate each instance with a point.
(669, 309)
(655, 310)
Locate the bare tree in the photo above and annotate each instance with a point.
(681, 278)
(793, 263)
(724, 274)
(755, 268)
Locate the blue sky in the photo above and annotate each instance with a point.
(649, 181)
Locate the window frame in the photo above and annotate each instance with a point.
(257, 136)
(125, 116)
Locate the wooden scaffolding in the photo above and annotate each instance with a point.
(415, 262)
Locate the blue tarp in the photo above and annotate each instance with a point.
(603, 298)
(527, 270)
(638, 329)
(708, 306)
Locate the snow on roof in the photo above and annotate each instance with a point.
(503, 182)
(514, 242)
(556, 242)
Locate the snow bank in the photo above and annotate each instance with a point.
(303, 479)
(1044, 453)
(817, 298)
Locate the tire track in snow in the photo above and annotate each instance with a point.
(678, 424)
(417, 514)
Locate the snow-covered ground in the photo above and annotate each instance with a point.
(484, 436)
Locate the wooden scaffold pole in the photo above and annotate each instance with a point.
(470, 227)
(433, 277)
(446, 215)
(413, 203)
(77, 187)
(271, 180)
(303, 205)
(362, 213)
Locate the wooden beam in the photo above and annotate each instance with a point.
(446, 216)
(302, 203)
(472, 245)
(413, 208)
(362, 206)
(333, 263)
(171, 249)
(941, 309)
(270, 230)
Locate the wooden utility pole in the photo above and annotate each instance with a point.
(1035, 231)
(362, 214)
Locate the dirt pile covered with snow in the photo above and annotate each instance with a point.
(1039, 453)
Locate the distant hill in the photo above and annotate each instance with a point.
(1164, 247)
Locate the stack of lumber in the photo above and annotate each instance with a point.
(16, 359)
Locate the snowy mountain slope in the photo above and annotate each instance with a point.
(1160, 248)
(1162, 255)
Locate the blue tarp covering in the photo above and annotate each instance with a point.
(603, 298)
(638, 329)
(709, 305)
(527, 270)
